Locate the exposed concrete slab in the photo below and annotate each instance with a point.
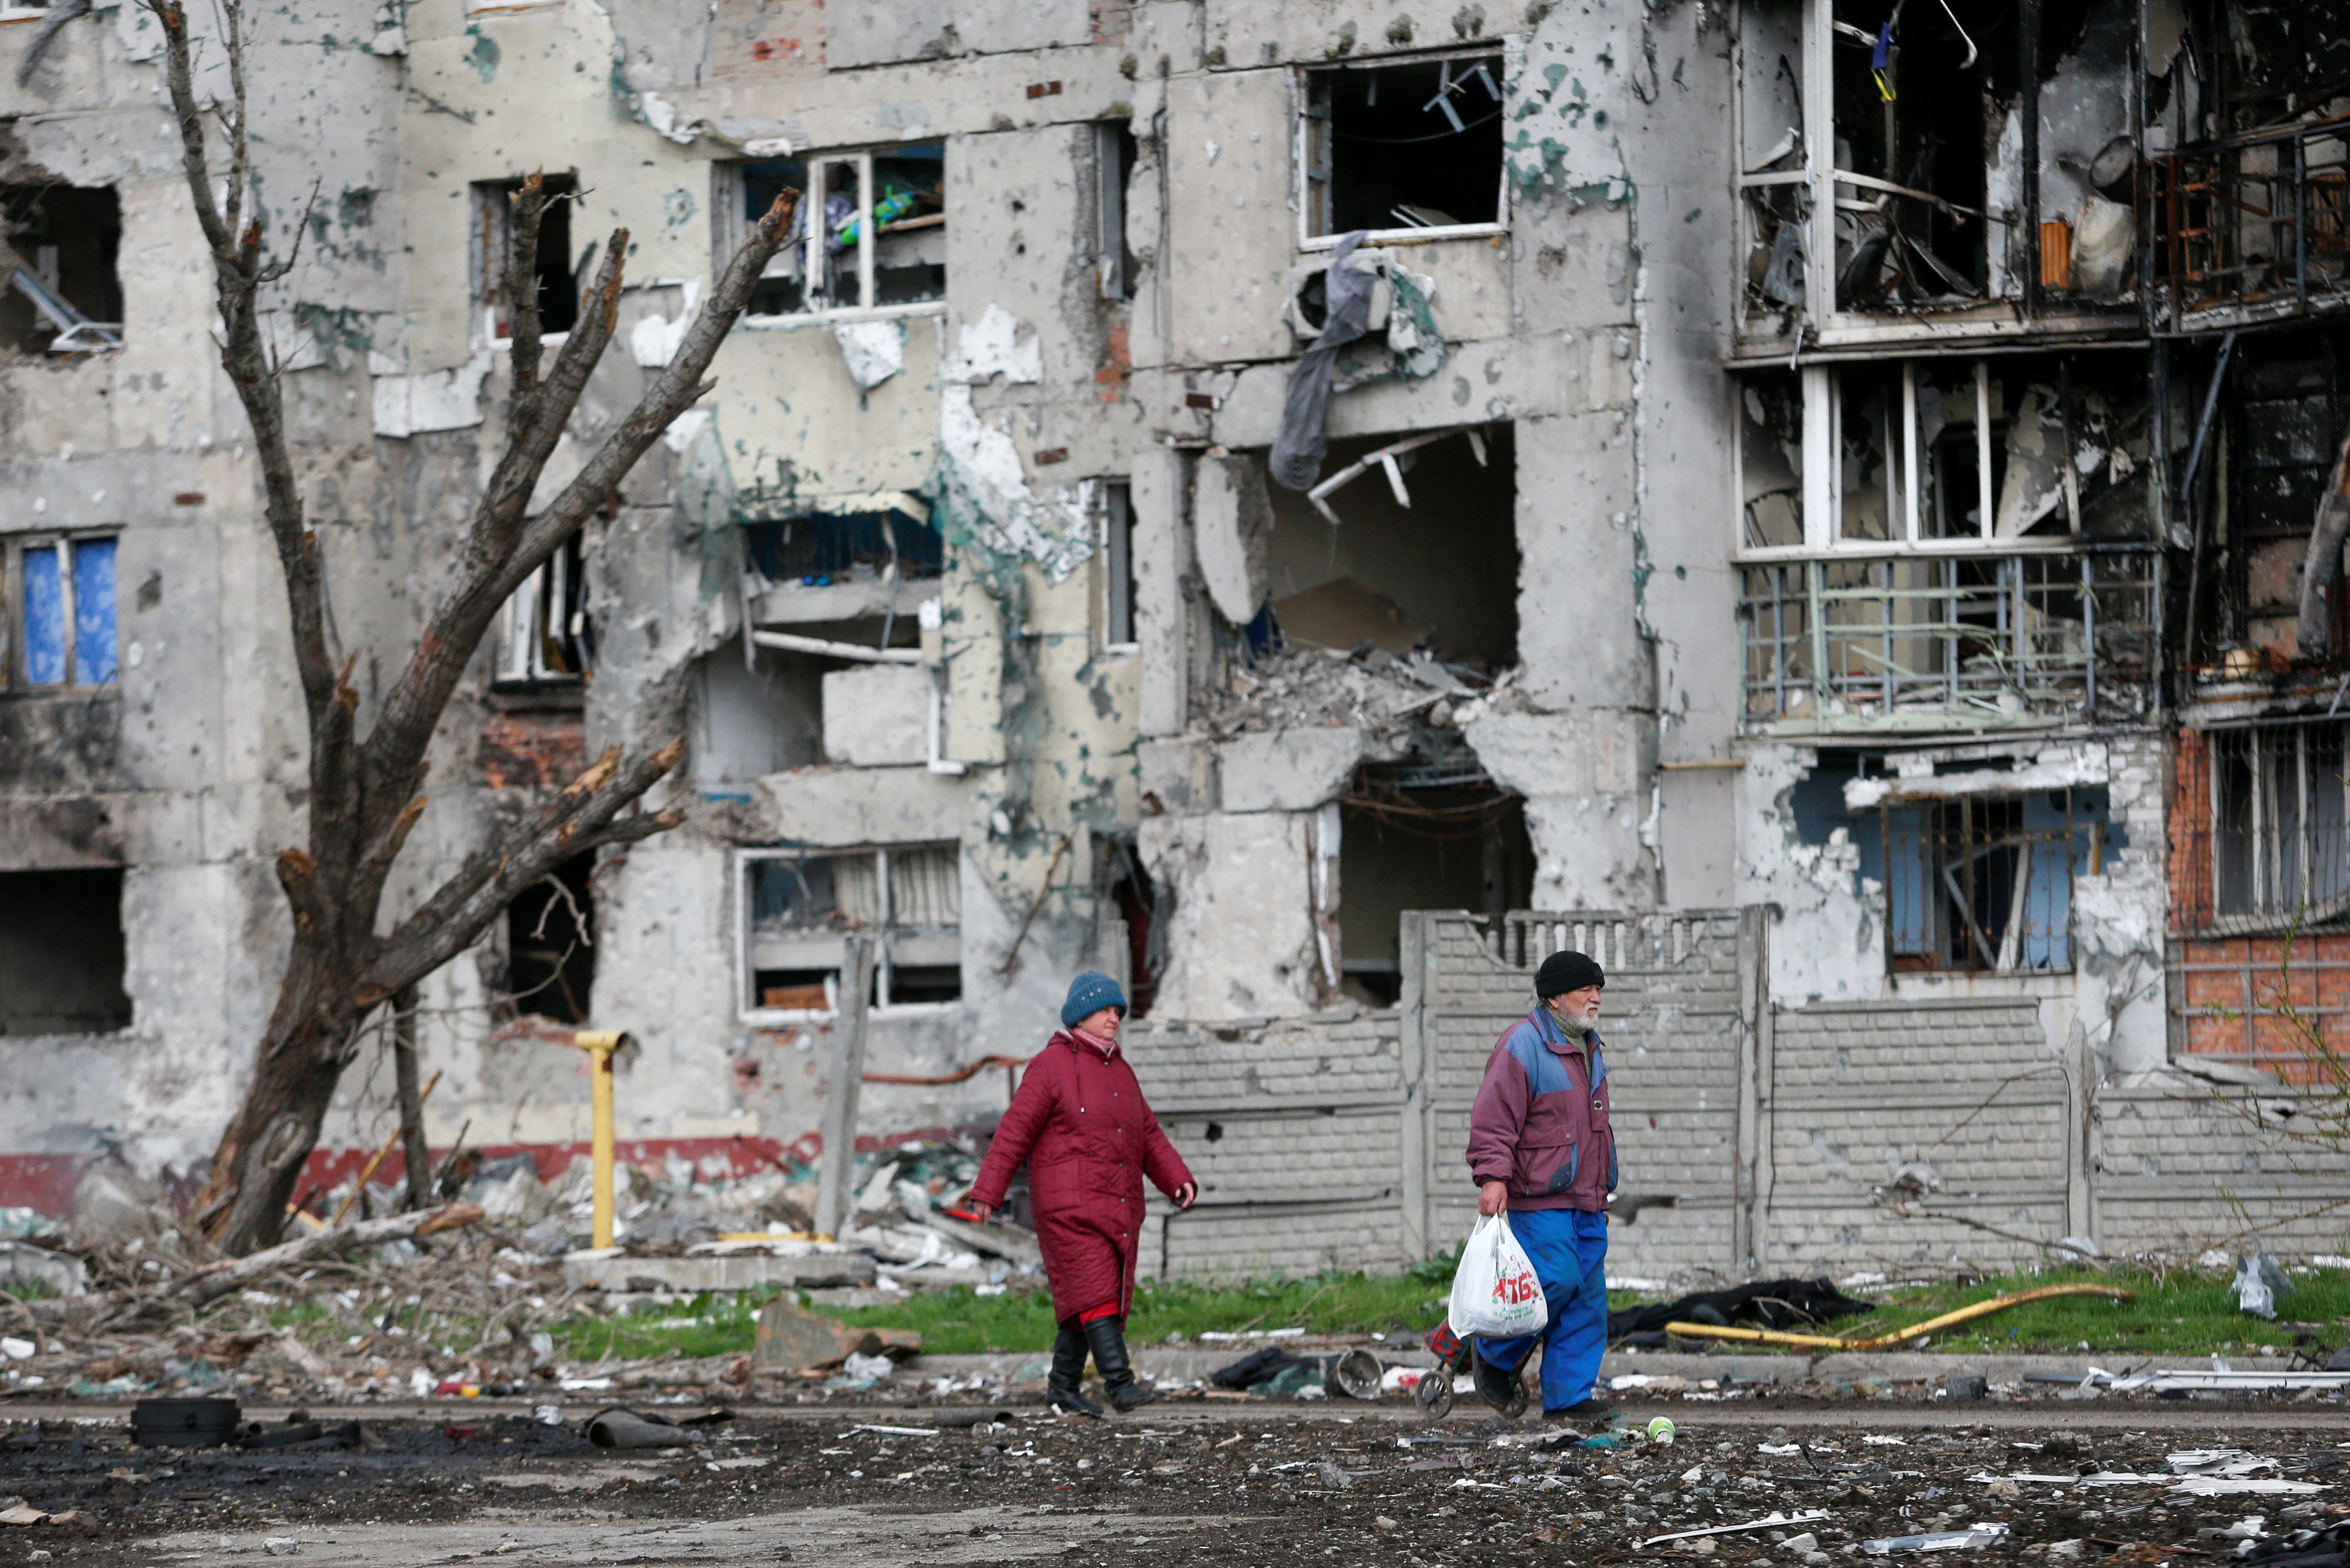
(829, 807)
(876, 715)
(1178, 775)
(1241, 942)
(1287, 769)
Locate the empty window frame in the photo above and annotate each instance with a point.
(1984, 883)
(1116, 558)
(2278, 815)
(56, 621)
(544, 636)
(1942, 454)
(551, 943)
(60, 292)
(796, 906)
(559, 278)
(1116, 152)
(1403, 147)
(62, 952)
(836, 262)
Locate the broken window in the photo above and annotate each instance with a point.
(58, 629)
(2267, 454)
(560, 276)
(1129, 899)
(757, 711)
(2278, 821)
(1115, 564)
(878, 539)
(1409, 544)
(1426, 832)
(1985, 882)
(1943, 451)
(1404, 147)
(836, 261)
(544, 636)
(61, 952)
(797, 906)
(1913, 159)
(2250, 204)
(551, 943)
(59, 290)
(1116, 152)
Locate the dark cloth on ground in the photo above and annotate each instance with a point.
(1784, 1305)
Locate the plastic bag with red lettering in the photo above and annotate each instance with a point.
(1494, 1293)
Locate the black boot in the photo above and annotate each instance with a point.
(1063, 1388)
(1106, 1336)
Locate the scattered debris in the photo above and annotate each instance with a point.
(615, 1427)
(1774, 1520)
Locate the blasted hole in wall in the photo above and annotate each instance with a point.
(560, 274)
(800, 906)
(551, 943)
(1421, 836)
(62, 952)
(1130, 902)
(757, 717)
(1404, 145)
(1441, 573)
(63, 291)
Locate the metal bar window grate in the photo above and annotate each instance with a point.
(1987, 640)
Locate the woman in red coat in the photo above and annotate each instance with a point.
(1080, 1123)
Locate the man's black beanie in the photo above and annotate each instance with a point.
(1564, 971)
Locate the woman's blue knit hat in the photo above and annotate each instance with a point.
(1089, 994)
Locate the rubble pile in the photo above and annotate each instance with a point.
(486, 1296)
(1381, 694)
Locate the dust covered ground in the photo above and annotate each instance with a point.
(1231, 1482)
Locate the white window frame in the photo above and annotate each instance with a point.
(1822, 477)
(810, 244)
(522, 645)
(484, 312)
(13, 676)
(23, 10)
(507, 7)
(747, 1007)
(1512, 51)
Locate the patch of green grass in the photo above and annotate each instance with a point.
(719, 1324)
(2175, 1313)
(957, 1321)
(2178, 1313)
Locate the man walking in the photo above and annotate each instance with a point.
(1541, 1149)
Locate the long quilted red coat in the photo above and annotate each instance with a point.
(1088, 1137)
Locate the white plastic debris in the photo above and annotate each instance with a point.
(1979, 1534)
(18, 1349)
(1775, 1519)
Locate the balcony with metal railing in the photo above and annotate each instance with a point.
(1923, 644)
(2253, 227)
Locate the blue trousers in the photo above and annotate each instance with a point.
(1569, 1248)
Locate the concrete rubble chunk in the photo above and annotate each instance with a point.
(790, 1336)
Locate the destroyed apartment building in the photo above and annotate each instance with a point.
(1831, 506)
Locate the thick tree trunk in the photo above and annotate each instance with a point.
(302, 1056)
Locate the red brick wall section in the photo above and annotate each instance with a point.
(532, 750)
(2190, 833)
(2270, 1002)
(1117, 359)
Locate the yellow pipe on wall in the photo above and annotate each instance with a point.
(601, 1044)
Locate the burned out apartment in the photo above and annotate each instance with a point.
(1815, 510)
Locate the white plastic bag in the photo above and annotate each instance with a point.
(1494, 1291)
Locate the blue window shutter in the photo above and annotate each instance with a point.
(93, 570)
(44, 618)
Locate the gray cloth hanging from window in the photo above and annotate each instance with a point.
(1298, 455)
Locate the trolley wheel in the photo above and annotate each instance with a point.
(1434, 1393)
(1517, 1405)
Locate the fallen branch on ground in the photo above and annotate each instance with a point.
(1899, 1336)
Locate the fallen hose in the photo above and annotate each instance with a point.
(1915, 1330)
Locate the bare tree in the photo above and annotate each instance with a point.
(366, 783)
